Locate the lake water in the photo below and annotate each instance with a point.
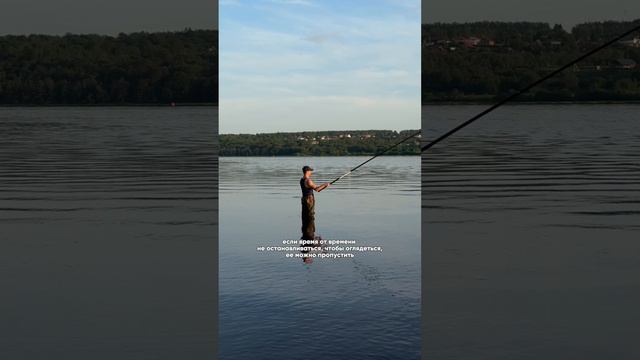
(108, 219)
(530, 221)
(272, 307)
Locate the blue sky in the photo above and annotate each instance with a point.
(295, 65)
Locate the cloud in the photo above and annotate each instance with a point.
(229, 2)
(293, 2)
(318, 113)
(339, 66)
(409, 4)
(321, 38)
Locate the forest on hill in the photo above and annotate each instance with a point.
(319, 143)
(137, 68)
(484, 61)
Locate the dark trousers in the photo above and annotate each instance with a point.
(308, 217)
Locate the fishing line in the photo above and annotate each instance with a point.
(379, 154)
(529, 87)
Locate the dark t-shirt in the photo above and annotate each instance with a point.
(305, 190)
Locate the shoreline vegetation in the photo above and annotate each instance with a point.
(318, 143)
(161, 68)
(483, 62)
(204, 104)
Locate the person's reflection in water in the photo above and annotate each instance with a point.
(306, 258)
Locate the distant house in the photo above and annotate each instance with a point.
(626, 64)
(635, 42)
(486, 43)
(579, 68)
(470, 42)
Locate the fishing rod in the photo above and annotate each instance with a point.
(378, 154)
(498, 104)
(528, 87)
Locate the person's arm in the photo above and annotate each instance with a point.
(315, 187)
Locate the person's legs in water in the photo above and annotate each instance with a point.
(308, 218)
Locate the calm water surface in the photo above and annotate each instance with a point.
(276, 308)
(107, 232)
(530, 225)
(529, 218)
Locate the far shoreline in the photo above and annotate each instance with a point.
(511, 103)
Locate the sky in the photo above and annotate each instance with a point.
(58, 17)
(565, 12)
(311, 65)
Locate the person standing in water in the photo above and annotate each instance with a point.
(308, 203)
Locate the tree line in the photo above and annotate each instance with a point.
(137, 68)
(484, 61)
(319, 143)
